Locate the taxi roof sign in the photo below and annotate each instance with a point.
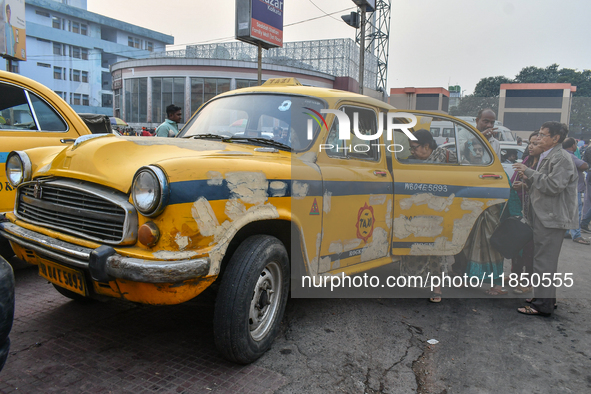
(282, 82)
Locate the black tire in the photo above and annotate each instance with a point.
(259, 264)
(73, 296)
(5, 249)
(6, 306)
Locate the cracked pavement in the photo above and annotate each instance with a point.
(325, 346)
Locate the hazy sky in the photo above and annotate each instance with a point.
(432, 42)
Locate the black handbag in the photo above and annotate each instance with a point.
(512, 234)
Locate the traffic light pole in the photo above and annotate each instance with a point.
(260, 65)
(362, 51)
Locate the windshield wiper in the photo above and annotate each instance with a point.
(263, 141)
(208, 136)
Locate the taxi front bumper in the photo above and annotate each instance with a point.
(104, 263)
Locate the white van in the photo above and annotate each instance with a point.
(443, 131)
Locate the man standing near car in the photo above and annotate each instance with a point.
(485, 122)
(170, 127)
(553, 199)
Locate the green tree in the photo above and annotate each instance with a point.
(490, 87)
(487, 91)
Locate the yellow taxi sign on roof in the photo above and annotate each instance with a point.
(282, 82)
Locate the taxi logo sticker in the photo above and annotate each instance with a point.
(365, 221)
(315, 210)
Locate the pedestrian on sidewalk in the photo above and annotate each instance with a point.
(170, 127)
(553, 199)
(518, 201)
(570, 145)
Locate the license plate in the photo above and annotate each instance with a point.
(68, 278)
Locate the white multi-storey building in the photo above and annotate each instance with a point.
(70, 50)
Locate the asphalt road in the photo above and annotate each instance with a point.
(325, 345)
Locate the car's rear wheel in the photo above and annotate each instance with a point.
(71, 295)
(251, 299)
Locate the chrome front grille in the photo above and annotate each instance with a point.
(80, 208)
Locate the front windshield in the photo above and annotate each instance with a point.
(276, 117)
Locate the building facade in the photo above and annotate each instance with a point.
(143, 88)
(421, 99)
(70, 50)
(524, 107)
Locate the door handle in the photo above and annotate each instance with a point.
(67, 141)
(380, 173)
(486, 176)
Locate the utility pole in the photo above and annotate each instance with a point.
(362, 51)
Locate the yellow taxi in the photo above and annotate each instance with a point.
(258, 178)
(31, 115)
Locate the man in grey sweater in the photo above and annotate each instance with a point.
(553, 198)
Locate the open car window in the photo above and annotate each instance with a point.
(452, 144)
(15, 112)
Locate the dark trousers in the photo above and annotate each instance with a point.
(524, 263)
(547, 245)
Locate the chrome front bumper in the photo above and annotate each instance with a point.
(104, 263)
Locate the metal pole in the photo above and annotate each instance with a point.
(362, 50)
(260, 71)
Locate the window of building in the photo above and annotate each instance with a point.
(76, 100)
(150, 46)
(245, 83)
(136, 100)
(427, 102)
(134, 42)
(107, 100)
(76, 75)
(61, 94)
(57, 73)
(83, 29)
(57, 49)
(76, 27)
(56, 23)
(117, 103)
(44, 65)
(42, 13)
(166, 91)
(204, 89)
(84, 76)
(15, 67)
(84, 53)
(75, 52)
(85, 100)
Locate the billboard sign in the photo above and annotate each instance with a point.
(260, 21)
(13, 29)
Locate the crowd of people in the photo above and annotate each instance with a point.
(548, 188)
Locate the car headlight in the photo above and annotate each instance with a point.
(18, 168)
(150, 190)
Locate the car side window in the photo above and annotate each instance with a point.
(47, 118)
(15, 113)
(472, 150)
(355, 147)
(454, 144)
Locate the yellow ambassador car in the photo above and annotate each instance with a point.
(31, 115)
(255, 173)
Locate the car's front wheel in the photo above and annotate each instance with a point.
(251, 299)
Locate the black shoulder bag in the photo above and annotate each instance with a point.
(513, 233)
